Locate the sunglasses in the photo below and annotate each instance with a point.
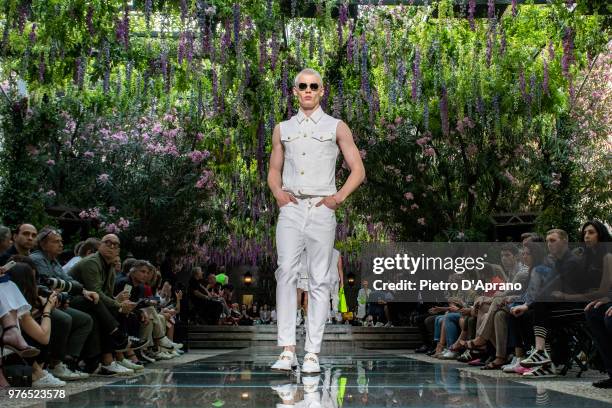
(313, 87)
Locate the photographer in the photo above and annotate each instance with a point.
(36, 324)
(73, 326)
(97, 274)
(71, 329)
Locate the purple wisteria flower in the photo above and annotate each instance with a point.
(311, 42)
(148, 10)
(236, 15)
(491, 9)
(320, 47)
(41, 68)
(502, 42)
(184, 10)
(444, 122)
(416, 75)
(545, 87)
(551, 51)
(263, 54)
(471, 13)
(275, 48)
(514, 8)
(523, 86)
(32, 36)
(89, 20)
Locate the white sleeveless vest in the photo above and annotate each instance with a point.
(310, 154)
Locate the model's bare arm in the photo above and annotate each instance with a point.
(345, 141)
(274, 171)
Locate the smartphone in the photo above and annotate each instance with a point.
(9, 265)
(127, 288)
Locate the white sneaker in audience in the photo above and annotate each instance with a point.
(389, 324)
(147, 356)
(541, 371)
(174, 353)
(161, 355)
(64, 373)
(509, 368)
(48, 381)
(166, 343)
(449, 355)
(117, 369)
(131, 365)
(177, 346)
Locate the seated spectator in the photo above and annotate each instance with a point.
(245, 319)
(24, 239)
(206, 304)
(36, 324)
(81, 250)
(264, 315)
(170, 303)
(72, 327)
(234, 317)
(253, 312)
(6, 240)
(97, 274)
(568, 280)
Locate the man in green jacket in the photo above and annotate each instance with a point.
(97, 274)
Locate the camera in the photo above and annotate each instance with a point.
(45, 292)
(60, 284)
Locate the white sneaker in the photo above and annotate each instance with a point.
(147, 357)
(286, 392)
(131, 365)
(311, 363)
(541, 371)
(48, 381)
(166, 343)
(311, 383)
(286, 361)
(509, 368)
(388, 324)
(162, 355)
(379, 324)
(177, 346)
(64, 373)
(117, 369)
(449, 355)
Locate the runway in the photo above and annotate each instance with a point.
(350, 378)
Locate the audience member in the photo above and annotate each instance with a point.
(81, 250)
(24, 239)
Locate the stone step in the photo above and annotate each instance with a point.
(247, 336)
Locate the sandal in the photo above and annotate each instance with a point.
(472, 346)
(26, 352)
(493, 366)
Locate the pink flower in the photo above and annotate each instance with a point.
(157, 128)
(398, 120)
(112, 210)
(423, 140)
(83, 214)
(50, 193)
(414, 207)
(409, 196)
(123, 223)
(362, 154)
(429, 152)
(421, 221)
(197, 156)
(88, 154)
(199, 136)
(51, 162)
(112, 229)
(103, 178)
(409, 178)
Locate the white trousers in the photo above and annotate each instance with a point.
(303, 225)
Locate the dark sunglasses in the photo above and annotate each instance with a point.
(302, 86)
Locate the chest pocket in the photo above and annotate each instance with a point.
(324, 144)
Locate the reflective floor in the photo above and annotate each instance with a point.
(349, 378)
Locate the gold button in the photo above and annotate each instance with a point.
(303, 153)
(302, 172)
(304, 134)
(289, 137)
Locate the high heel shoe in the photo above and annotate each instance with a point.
(26, 352)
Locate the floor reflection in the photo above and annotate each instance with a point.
(349, 378)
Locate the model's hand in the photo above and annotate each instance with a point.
(596, 303)
(330, 202)
(284, 198)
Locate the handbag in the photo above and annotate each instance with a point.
(342, 308)
(17, 375)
